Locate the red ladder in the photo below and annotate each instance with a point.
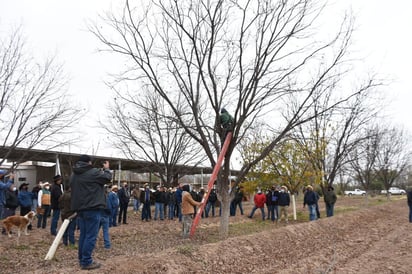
(211, 183)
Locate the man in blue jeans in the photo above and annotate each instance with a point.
(55, 192)
(89, 201)
(310, 199)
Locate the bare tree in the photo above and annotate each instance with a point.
(142, 128)
(248, 56)
(393, 155)
(363, 158)
(332, 136)
(34, 109)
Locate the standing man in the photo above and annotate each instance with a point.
(159, 196)
(330, 200)
(145, 199)
(259, 200)
(5, 183)
(25, 200)
(124, 198)
(311, 200)
(273, 203)
(136, 197)
(35, 192)
(211, 203)
(44, 202)
(179, 192)
(88, 200)
(409, 193)
(284, 202)
(171, 203)
(188, 210)
(112, 201)
(56, 192)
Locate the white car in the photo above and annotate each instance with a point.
(355, 192)
(394, 191)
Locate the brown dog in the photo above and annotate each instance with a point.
(21, 222)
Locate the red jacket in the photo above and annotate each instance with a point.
(260, 200)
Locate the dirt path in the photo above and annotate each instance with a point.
(369, 240)
(373, 240)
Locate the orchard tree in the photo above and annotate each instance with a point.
(393, 155)
(290, 163)
(35, 111)
(363, 158)
(330, 137)
(251, 57)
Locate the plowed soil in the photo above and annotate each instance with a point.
(364, 239)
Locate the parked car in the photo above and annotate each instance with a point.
(356, 191)
(394, 191)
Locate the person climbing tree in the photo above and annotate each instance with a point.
(226, 122)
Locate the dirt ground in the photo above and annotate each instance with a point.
(359, 239)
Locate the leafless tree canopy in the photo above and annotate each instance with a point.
(331, 137)
(393, 155)
(142, 127)
(34, 110)
(251, 57)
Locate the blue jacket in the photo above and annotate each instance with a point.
(284, 199)
(25, 198)
(179, 195)
(3, 186)
(112, 200)
(310, 198)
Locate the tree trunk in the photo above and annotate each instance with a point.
(224, 219)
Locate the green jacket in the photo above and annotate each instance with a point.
(330, 197)
(225, 119)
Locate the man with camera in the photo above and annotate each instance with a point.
(89, 201)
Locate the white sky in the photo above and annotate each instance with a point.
(59, 27)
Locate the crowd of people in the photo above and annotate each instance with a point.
(92, 202)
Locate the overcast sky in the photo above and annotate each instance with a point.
(59, 27)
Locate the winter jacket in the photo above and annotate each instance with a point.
(226, 119)
(188, 203)
(284, 199)
(171, 198)
(310, 198)
(179, 193)
(44, 197)
(56, 191)
(143, 195)
(124, 196)
(260, 200)
(238, 196)
(87, 184)
(330, 197)
(160, 197)
(212, 196)
(4, 185)
(64, 205)
(272, 198)
(25, 198)
(112, 200)
(409, 194)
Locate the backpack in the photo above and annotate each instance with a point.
(11, 200)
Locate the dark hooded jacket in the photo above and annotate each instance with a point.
(87, 187)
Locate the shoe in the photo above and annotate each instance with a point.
(125, 223)
(93, 265)
(249, 217)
